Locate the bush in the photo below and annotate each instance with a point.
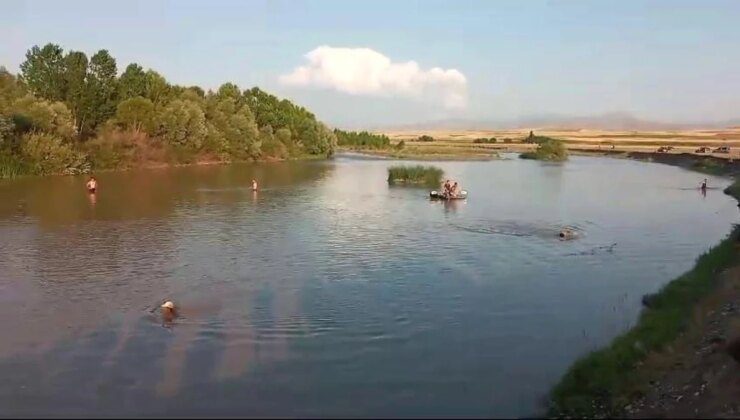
(362, 139)
(429, 176)
(484, 140)
(425, 138)
(48, 154)
(401, 144)
(551, 150)
(507, 141)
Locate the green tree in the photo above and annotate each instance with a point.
(183, 123)
(136, 114)
(75, 79)
(49, 154)
(49, 117)
(43, 71)
(132, 83)
(230, 90)
(157, 88)
(101, 89)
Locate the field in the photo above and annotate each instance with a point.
(460, 142)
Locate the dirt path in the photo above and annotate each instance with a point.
(696, 377)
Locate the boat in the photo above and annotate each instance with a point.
(435, 195)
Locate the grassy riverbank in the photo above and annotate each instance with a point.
(607, 381)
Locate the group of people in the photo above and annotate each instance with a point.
(450, 189)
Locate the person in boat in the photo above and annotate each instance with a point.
(455, 190)
(254, 185)
(92, 185)
(446, 188)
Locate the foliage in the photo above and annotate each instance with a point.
(183, 124)
(136, 113)
(550, 149)
(41, 115)
(429, 176)
(65, 107)
(485, 140)
(425, 138)
(48, 154)
(362, 140)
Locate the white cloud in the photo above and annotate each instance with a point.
(363, 71)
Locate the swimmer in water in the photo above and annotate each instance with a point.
(254, 185)
(169, 312)
(92, 185)
(704, 185)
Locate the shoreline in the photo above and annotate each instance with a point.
(653, 369)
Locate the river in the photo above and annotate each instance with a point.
(329, 293)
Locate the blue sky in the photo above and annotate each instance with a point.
(660, 60)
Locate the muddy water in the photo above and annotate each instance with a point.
(328, 293)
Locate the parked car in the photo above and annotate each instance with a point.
(703, 149)
(722, 149)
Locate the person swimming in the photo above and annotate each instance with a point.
(254, 185)
(92, 185)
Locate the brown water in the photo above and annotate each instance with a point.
(328, 293)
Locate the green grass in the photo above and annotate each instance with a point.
(428, 176)
(12, 166)
(603, 382)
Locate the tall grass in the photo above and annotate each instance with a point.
(603, 382)
(429, 176)
(12, 166)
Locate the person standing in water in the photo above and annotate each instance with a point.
(704, 185)
(92, 185)
(254, 185)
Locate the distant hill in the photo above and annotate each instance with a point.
(611, 121)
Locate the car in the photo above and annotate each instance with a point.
(703, 149)
(722, 149)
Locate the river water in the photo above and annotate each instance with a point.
(329, 293)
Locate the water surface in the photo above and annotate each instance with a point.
(329, 293)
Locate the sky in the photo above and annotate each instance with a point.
(385, 63)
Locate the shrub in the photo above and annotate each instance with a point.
(551, 150)
(48, 154)
(485, 140)
(425, 138)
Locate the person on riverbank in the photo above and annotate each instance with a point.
(92, 185)
(254, 185)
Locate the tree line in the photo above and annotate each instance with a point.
(67, 113)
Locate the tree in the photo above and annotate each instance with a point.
(132, 82)
(49, 117)
(43, 71)
(75, 79)
(183, 124)
(136, 114)
(157, 89)
(48, 154)
(100, 90)
(230, 90)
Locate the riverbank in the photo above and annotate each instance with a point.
(671, 363)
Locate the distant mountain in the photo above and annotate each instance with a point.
(610, 121)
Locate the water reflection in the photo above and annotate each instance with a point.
(327, 292)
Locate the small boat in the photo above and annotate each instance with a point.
(435, 195)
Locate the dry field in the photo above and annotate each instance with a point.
(461, 141)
